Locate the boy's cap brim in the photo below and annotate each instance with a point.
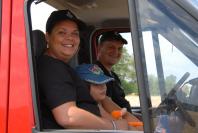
(96, 79)
(92, 74)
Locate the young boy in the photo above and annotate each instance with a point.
(96, 80)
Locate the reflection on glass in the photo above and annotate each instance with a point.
(170, 50)
(194, 3)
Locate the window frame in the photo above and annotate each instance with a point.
(32, 63)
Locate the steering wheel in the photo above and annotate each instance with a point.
(170, 103)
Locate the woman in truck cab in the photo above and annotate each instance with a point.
(65, 98)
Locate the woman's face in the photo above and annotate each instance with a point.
(63, 41)
(98, 92)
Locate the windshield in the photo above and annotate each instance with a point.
(194, 3)
(170, 45)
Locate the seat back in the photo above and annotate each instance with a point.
(39, 43)
(39, 46)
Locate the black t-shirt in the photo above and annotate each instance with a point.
(59, 83)
(114, 89)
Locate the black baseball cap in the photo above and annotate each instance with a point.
(111, 36)
(61, 15)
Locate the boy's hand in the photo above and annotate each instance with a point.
(117, 114)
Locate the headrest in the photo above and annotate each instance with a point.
(39, 43)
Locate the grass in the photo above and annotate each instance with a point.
(134, 100)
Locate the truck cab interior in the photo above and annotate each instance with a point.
(163, 39)
(87, 11)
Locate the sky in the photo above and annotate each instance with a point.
(40, 12)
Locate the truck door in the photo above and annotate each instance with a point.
(16, 113)
(4, 61)
(165, 42)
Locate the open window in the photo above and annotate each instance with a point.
(99, 16)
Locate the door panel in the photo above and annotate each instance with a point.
(20, 118)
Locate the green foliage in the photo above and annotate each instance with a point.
(154, 85)
(170, 82)
(126, 72)
(129, 87)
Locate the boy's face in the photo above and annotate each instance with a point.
(98, 92)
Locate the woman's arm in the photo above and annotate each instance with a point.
(104, 113)
(110, 106)
(68, 115)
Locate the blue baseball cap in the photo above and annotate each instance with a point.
(92, 74)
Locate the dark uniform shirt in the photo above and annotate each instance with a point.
(59, 84)
(114, 89)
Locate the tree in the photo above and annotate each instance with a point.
(153, 85)
(170, 82)
(125, 69)
(126, 72)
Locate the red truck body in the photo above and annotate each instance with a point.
(16, 110)
(161, 19)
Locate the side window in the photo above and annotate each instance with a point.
(127, 73)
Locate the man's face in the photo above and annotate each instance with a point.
(110, 52)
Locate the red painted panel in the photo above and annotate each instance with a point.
(4, 63)
(20, 101)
